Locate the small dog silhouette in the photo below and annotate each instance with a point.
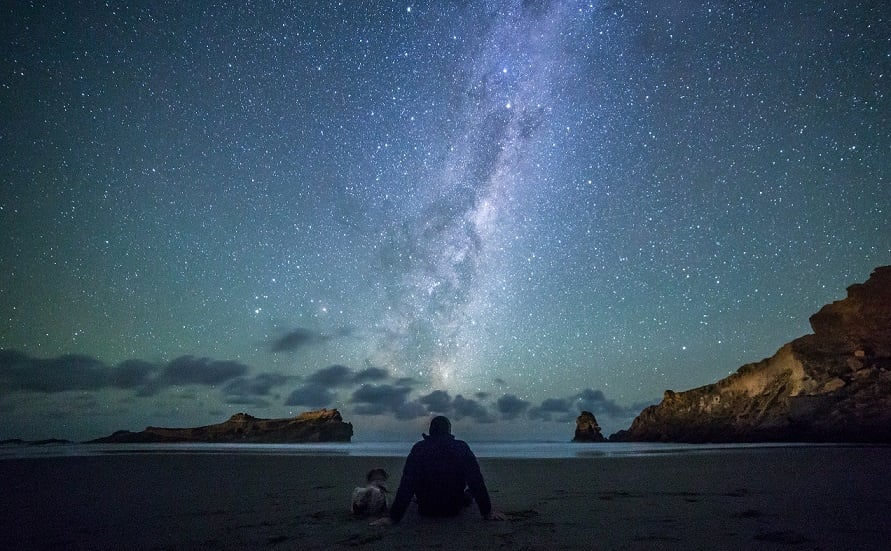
(371, 499)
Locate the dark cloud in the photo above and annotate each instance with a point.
(380, 398)
(567, 409)
(371, 375)
(311, 395)
(23, 373)
(133, 373)
(550, 407)
(20, 372)
(511, 407)
(331, 376)
(463, 407)
(297, 339)
(595, 402)
(188, 370)
(302, 337)
(410, 410)
(458, 407)
(437, 401)
(250, 390)
(556, 405)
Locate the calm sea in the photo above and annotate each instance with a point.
(527, 450)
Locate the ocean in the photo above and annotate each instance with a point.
(507, 450)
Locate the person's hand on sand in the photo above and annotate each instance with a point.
(495, 514)
(383, 521)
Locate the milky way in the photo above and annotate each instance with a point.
(456, 281)
(505, 212)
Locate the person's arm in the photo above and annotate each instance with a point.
(406, 490)
(476, 483)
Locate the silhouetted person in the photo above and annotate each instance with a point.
(444, 475)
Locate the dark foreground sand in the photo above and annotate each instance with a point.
(786, 498)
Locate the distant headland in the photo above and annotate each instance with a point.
(324, 425)
(830, 386)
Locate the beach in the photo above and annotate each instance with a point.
(770, 498)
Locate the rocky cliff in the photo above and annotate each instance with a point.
(830, 386)
(325, 425)
(587, 429)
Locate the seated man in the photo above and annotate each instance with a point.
(439, 470)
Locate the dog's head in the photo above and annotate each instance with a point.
(376, 475)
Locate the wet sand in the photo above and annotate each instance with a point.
(773, 498)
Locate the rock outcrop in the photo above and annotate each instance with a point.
(830, 386)
(325, 425)
(587, 429)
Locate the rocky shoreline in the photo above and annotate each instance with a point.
(830, 386)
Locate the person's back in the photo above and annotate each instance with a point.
(437, 471)
(446, 467)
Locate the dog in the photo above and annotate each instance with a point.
(371, 499)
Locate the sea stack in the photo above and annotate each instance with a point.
(587, 429)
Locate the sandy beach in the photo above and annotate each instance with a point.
(803, 498)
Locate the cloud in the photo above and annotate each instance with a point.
(302, 337)
(331, 376)
(311, 395)
(250, 390)
(297, 339)
(437, 401)
(511, 407)
(20, 372)
(595, 402)
(460, 407)
(371, 399)
(549, 407)
(555, 405)
(410, 410)
(567, 409)
(378, 399)
(187, 370)
(133, 373)
(371, 374)
(463, 407)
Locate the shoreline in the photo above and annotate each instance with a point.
(812, 497)
(484, 449)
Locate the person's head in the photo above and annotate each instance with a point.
(440, 426)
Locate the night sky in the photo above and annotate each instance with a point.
(505, 212)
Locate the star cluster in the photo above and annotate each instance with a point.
(501, 211)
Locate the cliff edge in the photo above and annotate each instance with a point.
(830, 386)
